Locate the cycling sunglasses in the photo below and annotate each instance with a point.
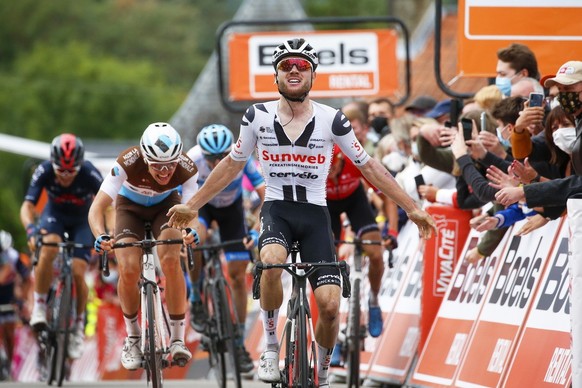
(299, 63)
(65, 171)
(169, 166)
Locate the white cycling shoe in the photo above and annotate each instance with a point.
(131, 355)
(76, 341)
(38, 318)
(268, 370)
(180, 353)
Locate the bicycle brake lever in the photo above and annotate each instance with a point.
(257, 272)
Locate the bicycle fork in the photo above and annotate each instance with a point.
(149, 276)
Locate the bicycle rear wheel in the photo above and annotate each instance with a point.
(63, 307)
(153, 352)
(227, 332)
(353, 337)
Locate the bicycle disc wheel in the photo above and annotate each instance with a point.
(152, 355)
(216, 351)
(64, 299)
(227, 332)
(353, 338)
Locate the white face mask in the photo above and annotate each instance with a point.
(564, 138)
(395, 161)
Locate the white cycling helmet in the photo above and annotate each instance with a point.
(161, 143)
(5, 240)
(295, 48)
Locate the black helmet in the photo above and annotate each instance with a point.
(67, 151)
(295, 48)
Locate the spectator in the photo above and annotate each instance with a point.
(513, 63)
(441, 111)
(420, 105)
(380, 112)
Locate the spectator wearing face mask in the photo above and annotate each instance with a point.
(566, 191)
(514, 63)
(380, 112)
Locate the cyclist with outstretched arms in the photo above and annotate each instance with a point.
(144, 183)
(71, 184)
(294, 138)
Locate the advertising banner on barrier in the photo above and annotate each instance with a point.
(397, 346)
(506, 306)
(543, 358)
(440, 257)
(447, 341)
(393, 282)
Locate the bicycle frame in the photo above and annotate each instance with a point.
(297, 360)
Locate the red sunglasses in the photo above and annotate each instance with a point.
(300, 64)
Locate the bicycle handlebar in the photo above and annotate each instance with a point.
(63, 244)
(309, 268)
(144, 244)
(358, 242)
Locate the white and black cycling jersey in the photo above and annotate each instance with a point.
(296, 170)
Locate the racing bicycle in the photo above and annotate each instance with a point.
(155, 325)
(53, 341)
(300, 362)
(355, 331)
(222, 326)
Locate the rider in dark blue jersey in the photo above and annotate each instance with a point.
(71, 184)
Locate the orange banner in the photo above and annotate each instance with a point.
(351, 63)
(550, 29)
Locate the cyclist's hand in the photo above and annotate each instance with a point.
(390, 239)
(190, 236)
(424, 222)
(31, 234)
(180, 216)
(103, 243)
(252, 240)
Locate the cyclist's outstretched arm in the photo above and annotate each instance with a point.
(376, 174)
(219, 178)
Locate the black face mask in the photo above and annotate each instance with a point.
(570, 102)
(380, 124)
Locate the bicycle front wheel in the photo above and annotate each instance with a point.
(153, 352)
(297, 368)
(227, 332)
(353, 337)
(63, 307)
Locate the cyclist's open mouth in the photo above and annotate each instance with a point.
(163, 177)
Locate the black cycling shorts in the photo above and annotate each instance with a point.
(283, 222)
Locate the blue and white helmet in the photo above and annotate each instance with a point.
(161, 143)
(215, 139)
